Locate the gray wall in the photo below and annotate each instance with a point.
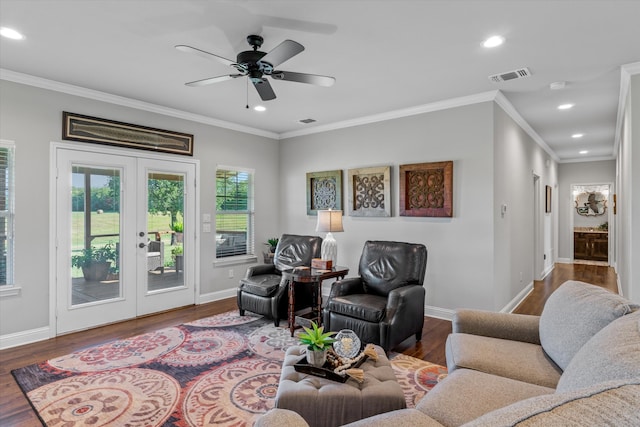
(517, 159)
(599, 172)
(32, 118)
(474, 259)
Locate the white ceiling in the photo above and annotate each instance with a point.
(385, 56)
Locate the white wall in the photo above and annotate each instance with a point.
(32, 118)
(599, 172)
(628, 202)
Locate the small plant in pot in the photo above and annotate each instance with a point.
(273, 242)
(317, 342)
(178, 252)
(95, 263)
(269, 254)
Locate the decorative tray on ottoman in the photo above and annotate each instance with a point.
(326, 371)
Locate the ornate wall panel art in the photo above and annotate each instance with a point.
(426, 189)
(369, 191)
(324, 191)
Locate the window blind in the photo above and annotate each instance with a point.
(234, 213)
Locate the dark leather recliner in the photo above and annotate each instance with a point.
(385, 305)
(263, 291)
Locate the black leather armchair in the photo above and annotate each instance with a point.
(264, 292)
(385, 305)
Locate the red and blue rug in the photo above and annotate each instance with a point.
(222, 370)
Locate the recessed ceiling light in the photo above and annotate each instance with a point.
(260, 108)
(565, 106)
(584, 152)
(493, 41)
(10, 33)
(577, 135)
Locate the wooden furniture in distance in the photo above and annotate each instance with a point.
(591, 245)
(314, 277)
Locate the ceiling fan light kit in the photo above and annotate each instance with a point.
(257, 66)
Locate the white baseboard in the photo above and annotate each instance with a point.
(549, 269)
(438, 312)
(565, 260)
(216, 296)
(24, 337)
(518, 299)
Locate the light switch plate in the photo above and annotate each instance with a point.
(206, 228)
(206, 217)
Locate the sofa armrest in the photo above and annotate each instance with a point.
(280, 418)
(348, 286)
(515, 327)
(259, 269)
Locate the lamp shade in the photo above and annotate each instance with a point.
(329, 221)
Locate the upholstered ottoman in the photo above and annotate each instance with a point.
(326, 403)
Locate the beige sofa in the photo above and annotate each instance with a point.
(576, 364)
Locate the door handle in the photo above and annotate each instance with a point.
(141, 245)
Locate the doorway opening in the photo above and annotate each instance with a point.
(590, 220)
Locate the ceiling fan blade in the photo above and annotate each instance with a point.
(211, 80)
(283, 52)
(265, 90)
(204, 54)
(313, 79)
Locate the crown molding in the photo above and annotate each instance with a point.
(626, 71)
(494, 95)
(30, 80)
(503, 102)
(588, 159)
(396, 114)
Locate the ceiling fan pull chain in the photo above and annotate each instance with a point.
(247, 94)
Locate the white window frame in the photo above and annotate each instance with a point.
(250, 255)
(9, 287)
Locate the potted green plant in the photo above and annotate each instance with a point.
(178, 230)
(268, 255)
(317, 342)
(178, 256)
(95, 263)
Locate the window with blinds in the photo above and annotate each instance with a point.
(234, 212)
(6, 213)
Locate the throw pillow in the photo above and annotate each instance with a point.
(574, 313)
(613, 353)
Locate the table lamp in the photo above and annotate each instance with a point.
(331, 222)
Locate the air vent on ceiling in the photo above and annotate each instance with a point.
(510, 75)
(307, 121)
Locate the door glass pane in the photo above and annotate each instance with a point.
(165, 231)
(95, 234)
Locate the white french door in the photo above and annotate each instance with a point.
(125, 241)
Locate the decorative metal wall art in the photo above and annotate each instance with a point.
(426, 189)
(77, 127)
(324, 191)
(369, 191)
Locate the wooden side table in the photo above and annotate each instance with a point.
(313, 277)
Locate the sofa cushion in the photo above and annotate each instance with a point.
(511, 359)
(361, 306)
(613, 353)
(399, 418)
(574, 313)
(464, 395)
(612, 403)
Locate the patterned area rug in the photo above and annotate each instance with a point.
(222, 370)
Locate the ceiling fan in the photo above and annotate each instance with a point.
(257, 65)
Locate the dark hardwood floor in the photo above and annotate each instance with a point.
(16, 411)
